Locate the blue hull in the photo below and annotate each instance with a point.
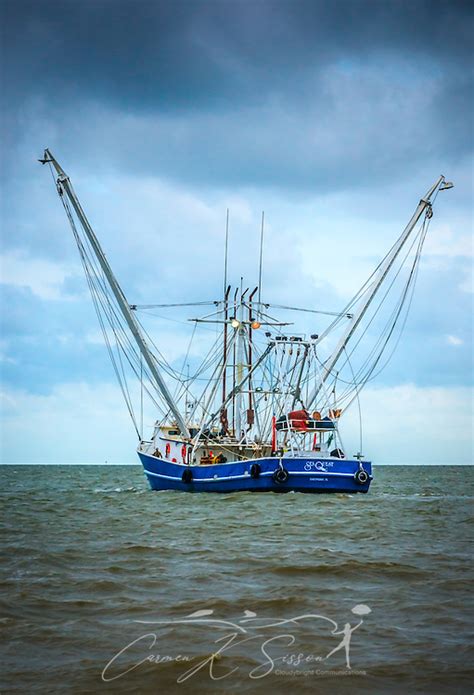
(304, 475)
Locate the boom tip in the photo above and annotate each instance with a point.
(46, 157)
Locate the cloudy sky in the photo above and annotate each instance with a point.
(333, 117)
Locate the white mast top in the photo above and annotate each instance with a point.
(65, 184)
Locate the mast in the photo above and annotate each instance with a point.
(234, 365)
(260, 261)
(238, 386)
(226, 309)
(250, 412)
(384, 269)
(65, 185)
(240, 363)
(224, 350)
(226, 250)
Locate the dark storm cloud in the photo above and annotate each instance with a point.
(179, 54)
(299, 94)
(279, 93)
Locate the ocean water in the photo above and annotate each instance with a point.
(108, 587)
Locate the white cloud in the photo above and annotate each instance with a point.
(75, 423)
(44, 278)
(4, 356)
(454, 340)
(411, 424)
(448, 242)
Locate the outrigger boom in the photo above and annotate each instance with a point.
(423, 205)
(64, 185)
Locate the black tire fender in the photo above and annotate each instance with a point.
(361, 476)
(255, 470)
(187, 476)
(280, 475)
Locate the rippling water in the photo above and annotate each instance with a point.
(95, 563)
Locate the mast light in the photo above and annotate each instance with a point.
(235, 323)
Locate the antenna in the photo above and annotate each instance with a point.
(261, 260)
(226, 249)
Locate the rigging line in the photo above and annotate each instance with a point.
(410, 285)
(124, 376)
(94, 282)
(122, 338)
(170, 370)
(398, 308)
(365, 286)
(358, 404)
(326, 400)
(121, 379)
(159, 357)
(383, 297)
(309, 376)
(309, 311)
(297, 391)
(100, 287)
(96, 291)
(239, 385)
(141, 396)
(359, 378)
(211, 357)
(94, 299)
(267, 366)
(114, 364)
(185, 358)
(390, 251)
(77, 235)
(92, 260)
(402, 327)
(153, 396)
(213, 313)
(202, 397)
(160, 316)
(270, 318)
(119, 320)
(281, 401)
(117, 326)
(299, 357)
(141, 307)
(205, 409)
(167, 318)
(185, 386)
(361, 369)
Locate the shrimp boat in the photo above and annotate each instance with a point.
(262, 411)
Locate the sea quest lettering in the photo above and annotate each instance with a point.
(318, 466)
